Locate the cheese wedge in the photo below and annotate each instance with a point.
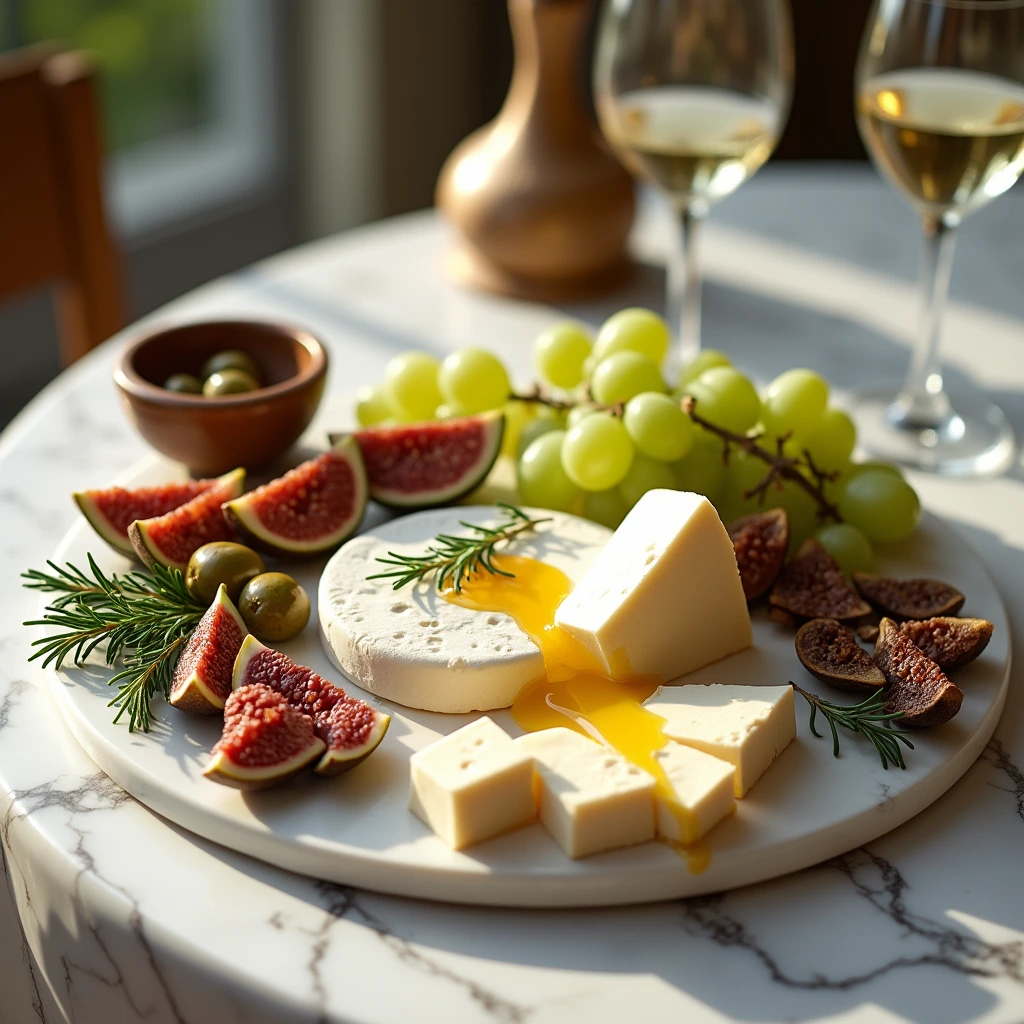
(748, 726)
(703, 788)
(472, 785)
(591, 798)
(664, 596)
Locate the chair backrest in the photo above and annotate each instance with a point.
(53, 229)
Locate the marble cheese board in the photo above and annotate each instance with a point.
(356, 829)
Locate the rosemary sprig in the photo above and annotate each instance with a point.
(455, 558)
(868, 718)
(143, 618)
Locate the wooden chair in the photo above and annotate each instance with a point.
(53, 230)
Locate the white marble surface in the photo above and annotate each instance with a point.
(124, 917)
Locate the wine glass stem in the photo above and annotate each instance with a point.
(923, 403)
(684, 286)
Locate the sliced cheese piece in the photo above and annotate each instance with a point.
(473, 784)
(748, 726)
(703, 789)
(412, 646)
(591, 798)
(664, 596)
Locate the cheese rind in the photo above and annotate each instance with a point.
(591, 799)
(472, 785)
(703, 788)
(748, 726)
(664, 596)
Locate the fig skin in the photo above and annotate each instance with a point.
(812, 586)
(830, 652)
(950, 642)
(760, 541)
(918, 689)
(901, 600)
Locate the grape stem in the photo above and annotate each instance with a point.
(537, 397)
(780, 467)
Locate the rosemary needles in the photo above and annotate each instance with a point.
(869, 718)
(144, 619)
(455, 558)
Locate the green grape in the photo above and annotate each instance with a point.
(743, 474)
(372, 406)
(801, 511)
(537, 427)
(633, 330)
(580, 412)
(589, 365)
(605, 507)
(856, 468)
(623, 375)
(560, 352)
(443, 412)
(645, 475)
(847, 545)
(708, 359)
(726, 398)
(659, 427)
(831, 445)
(597, 452)
(703, 470)
(473, 380)
(795, 402)
(517, 415)
(410, 382)
(542, 481)
(880, 504)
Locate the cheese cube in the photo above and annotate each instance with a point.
(664, 596)
(591, 798)
(473, 784)
(748, 726)
(702, 787)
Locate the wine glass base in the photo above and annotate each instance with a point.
(974, 438)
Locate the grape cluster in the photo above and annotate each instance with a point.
(605, 428)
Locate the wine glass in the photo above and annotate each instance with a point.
(940, 107)
(693, 95)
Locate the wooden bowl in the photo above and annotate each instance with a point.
(214, 435)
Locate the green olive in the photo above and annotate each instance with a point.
(231, 359)
(184, 383)
(274, 607)
(229, 382)
(221, 562)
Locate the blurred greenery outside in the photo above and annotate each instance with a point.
(155, 57)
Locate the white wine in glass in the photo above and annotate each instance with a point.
(693, 95)
(940, 106)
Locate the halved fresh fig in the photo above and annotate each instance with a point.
(310, 509)
(830, 652)
(420, 465)
(950, 642)
(111, 511)
(868, 632)
(812, 586)
(909, 599)
(351, 728)
(202, 678)
(171, 539)
(265, 740)
(760, 541)
(918, 689)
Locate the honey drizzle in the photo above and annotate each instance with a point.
(576, 691)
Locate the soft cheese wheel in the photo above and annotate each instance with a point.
(472, 785)
(748, 726)
(664, 596)
(591, 799)
(417, 649)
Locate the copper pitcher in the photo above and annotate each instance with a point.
(541, 207)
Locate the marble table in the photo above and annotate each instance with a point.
(114, 915)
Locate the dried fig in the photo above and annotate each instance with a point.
(948, 641)
(909, 599)
(830, 652)
(812, 586)
(868, 632)
(918, 688)
(760, 541)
